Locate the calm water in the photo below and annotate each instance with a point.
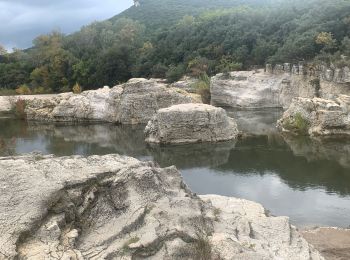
(307, 180)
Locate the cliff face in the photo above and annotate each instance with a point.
(276, 87)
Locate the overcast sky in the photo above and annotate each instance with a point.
(22, 20)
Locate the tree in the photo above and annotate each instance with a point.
(3, 51)
(326, 40)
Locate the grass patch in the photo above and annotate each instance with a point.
(298, 124)
(216, 212)
(202, 87)
(129, 242)
(201, 248)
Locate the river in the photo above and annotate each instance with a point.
(305, 179)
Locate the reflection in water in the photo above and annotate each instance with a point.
(308, 180)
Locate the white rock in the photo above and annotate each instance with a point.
(138, 211)
(190, 123)
(134, 102)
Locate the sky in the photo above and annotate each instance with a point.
(22, 20)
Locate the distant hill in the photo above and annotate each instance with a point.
(171, 38)
(158, 14)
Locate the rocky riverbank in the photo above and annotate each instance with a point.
(317, 117)
(276, 88)
(7, 102)
(111, 206)
(134, 102)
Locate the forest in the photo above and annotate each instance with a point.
(171, 38)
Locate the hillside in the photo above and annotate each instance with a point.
(155, 14)
(170, 38)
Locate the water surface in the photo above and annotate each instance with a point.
(305, 179)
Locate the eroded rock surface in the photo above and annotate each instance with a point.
(317, 117)
(190, 123)
(134, 102)
(115, 207)
(7, 102)
(333, 243)
(258, 89)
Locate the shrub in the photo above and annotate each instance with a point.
(202, 249)
(202, 87)
(23, 90)
(298, 124)
(41, 90)
(159, 71)
(7, 92)
(175, 73)
(19, 109)
(77, 89)
(317, 85)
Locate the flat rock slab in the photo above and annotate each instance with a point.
(116, 207)
(190, 123)
(333, 243)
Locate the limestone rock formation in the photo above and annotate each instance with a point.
(186, 83)
(134, 102)
(7, 102)
(115, 207)
(245, 89)
(317, 117)
(190, 123)
(271, 89)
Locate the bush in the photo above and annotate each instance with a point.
(317, 85)
(23, 90)
(298, 124)
(175, 73)
(202, 87)
(19, 109)
(7, 92)
(202, 249)
(159, 71)
(77, 89)
(41, 90)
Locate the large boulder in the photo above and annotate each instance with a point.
(115, 207)
(190, 123)
(317, 117)
(134, 102)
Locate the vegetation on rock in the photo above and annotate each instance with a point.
(297, 125)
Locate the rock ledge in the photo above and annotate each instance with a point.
(115, 207)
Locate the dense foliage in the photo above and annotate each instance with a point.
(169, 38)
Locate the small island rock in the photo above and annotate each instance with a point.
(190, 123)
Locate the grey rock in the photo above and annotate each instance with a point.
(317, 117)
(186, 83)
(190, 123)
(134, 102)
(115, 207)
(257, 89)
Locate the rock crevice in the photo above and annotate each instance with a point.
(104, 207)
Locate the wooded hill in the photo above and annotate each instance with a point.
(169, 38)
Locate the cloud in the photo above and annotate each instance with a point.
(22, 20)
